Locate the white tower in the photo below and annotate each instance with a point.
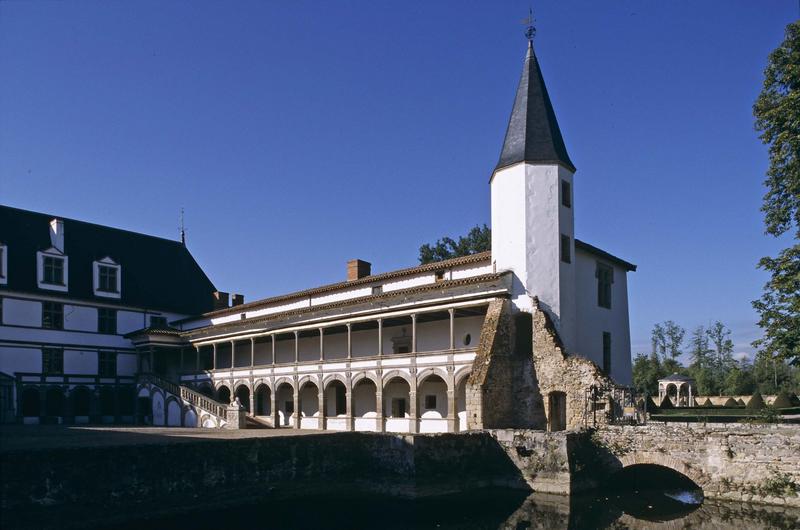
(532, 207)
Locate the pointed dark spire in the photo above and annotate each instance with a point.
(533, 134)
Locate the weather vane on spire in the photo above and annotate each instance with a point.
(530, 31)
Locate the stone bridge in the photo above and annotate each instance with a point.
(759, 463)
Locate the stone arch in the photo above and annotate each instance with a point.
(174, 412)
(428, 372)
(208, 421)
(81, 397)
(284, 380)
(461, 375)
(143, 391)
(664, 460)
(241, 382)
(334, 377)
(388, 376)
(190, 418)
(159, 409)
(307, 379)
(224, 393)
(262, 381)
(262, 397)
(360, 376)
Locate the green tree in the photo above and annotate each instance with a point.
(722, 355)
(739, 379)
(667, 340)
(702, 365)
(777, 113)
(647, 370)
(479, 239)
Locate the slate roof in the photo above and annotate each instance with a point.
(157, 274)
(533, 134)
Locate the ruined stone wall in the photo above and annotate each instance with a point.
(555, 371)
(753, 463)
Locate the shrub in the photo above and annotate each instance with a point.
(756, 402)
(730, 403)
(666, 403)
(782, 400)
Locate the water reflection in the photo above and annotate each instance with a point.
(481, 510)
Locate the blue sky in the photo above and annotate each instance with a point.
(298, 135)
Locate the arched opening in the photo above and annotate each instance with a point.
(557, 411)
(461, 404)
(336, 406)
(224, 395)
(432, 404)
(683, 395)
(672, 392)
(284, 401)
(309, 406)
(653, 492)
(126, 400)
(144, 411)
(263, 400)
(396, 405)
(54, 404)
(30, 402)
(243, 394)
(81, 404)
(365, 406)
(107, 402)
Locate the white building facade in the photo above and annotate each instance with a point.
(390, 352)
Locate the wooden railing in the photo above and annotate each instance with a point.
(195, 398)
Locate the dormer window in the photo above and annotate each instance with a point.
(3, 264)
(107, 278)
(52, 270)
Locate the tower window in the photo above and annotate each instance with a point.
(605, 277)
(52, 315)
(606, 352)
(107, 363)
(566, 255)
(566, 194)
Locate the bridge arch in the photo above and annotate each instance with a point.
(664, 460)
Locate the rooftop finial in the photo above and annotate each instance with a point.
(183, 229)
(530, 31)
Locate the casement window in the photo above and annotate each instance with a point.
(107, 278)
(566, 194)
(52, 361)
(605, 278)
(106, 320)
(3, 264)
(107, 363)
(52, 315)
(158, 321)
(606, 353)
(566, 253)
(430, 402)
(53, 270)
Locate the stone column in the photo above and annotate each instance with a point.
(276, 417)
(296, 346)
(451, 411)
(233, 354)
(380, 337)
(214, 360)
(252, 352)
(414, 333)
(348, 420)
(349, 341)
(379, 409)
(296, 414)
(321, 403)
(273, 349)
(252, 399)
(197, 360)
(321, 344)
(452, 328)
(412, 411)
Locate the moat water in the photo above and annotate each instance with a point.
(481, 510)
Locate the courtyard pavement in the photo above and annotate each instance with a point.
(42, 437)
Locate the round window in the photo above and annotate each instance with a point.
(467, 339)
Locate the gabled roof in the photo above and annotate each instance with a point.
(158, 274)
(628, 266)
(533, 134)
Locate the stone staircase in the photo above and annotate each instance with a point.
(203, 405)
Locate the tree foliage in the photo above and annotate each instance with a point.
(667, 340)
(479, 239)
(777, 113)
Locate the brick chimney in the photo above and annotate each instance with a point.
(357, 269)
(237, 299)
(220, 300)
